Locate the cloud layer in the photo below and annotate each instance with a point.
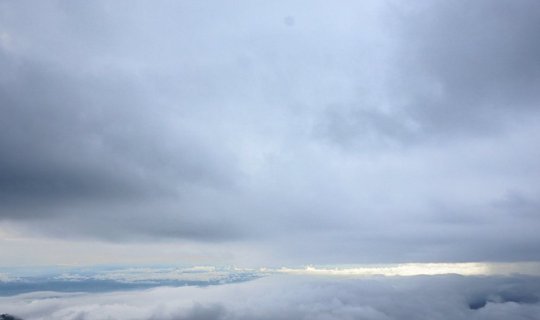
(429, 297)
(308, 132)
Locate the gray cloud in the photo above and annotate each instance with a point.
(312, 133)
(65, 134)
(70, 142)
(458, 69)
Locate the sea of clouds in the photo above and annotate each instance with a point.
(299, 297)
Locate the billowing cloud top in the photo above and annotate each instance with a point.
(343, 132)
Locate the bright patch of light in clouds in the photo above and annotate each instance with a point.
(414, 269)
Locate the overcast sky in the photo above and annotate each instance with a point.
(269, 132)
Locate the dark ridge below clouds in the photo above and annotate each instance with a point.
(330, 133)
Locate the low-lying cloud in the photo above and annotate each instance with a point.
(422, 297)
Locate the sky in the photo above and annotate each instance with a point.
(269, 133)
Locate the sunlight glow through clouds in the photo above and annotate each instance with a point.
(413, 269)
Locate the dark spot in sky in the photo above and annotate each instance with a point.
(289, 21)
(8, 317)
(506, 296)
(477, 304)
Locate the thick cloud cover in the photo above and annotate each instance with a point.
(373, 131)
(428, 297)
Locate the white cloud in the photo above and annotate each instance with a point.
(290, 297)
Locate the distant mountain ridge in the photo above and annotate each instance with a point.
(5, 316)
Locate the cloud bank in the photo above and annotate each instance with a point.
(427, 297)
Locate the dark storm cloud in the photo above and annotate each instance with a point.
(351, 132)
(69, 120)
(81, 138)
(69, 137)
